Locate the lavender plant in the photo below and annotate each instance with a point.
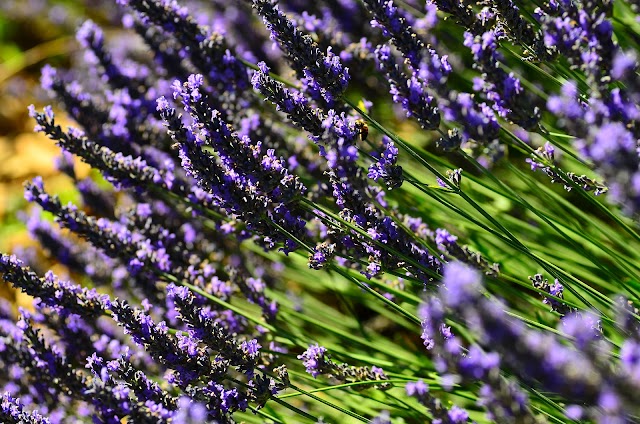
(327, 212)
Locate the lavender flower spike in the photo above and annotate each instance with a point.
(385, 167)
(51, 290)
(12, 412)
(410, 92)
(324, 70)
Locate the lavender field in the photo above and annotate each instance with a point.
(339, 211)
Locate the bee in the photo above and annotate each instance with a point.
(175, 146)
(362, 128)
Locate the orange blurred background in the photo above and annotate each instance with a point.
(32, 33)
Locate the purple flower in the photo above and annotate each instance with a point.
(460, 282)
(503, 90)
(52, 291)
(313, 359)
(418, 388)
(385, 168)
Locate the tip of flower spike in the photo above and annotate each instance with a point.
(11, 260)
(29, 187)
(179, 292)
(89, 34)
(313, 358)
(47, 76)
(162, 104)
(263, 68)
(48, 112)
(195, 81)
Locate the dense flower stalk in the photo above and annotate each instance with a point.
(206, 49)
(203, 327)
(410, 92)
(324, 72)
(124, 171)
(91, 37)
(606, 133)
(388, 17)
(532, 355)
(241, 182)
(503, 89)
(293, 103)
(385, 167)
(112, 237)
(582, 33)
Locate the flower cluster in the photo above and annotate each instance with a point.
(272, 181)
(580, 370)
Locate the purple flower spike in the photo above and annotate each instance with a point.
(12, 411)
(323, 71)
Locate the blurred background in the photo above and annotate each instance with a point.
(32, 33)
